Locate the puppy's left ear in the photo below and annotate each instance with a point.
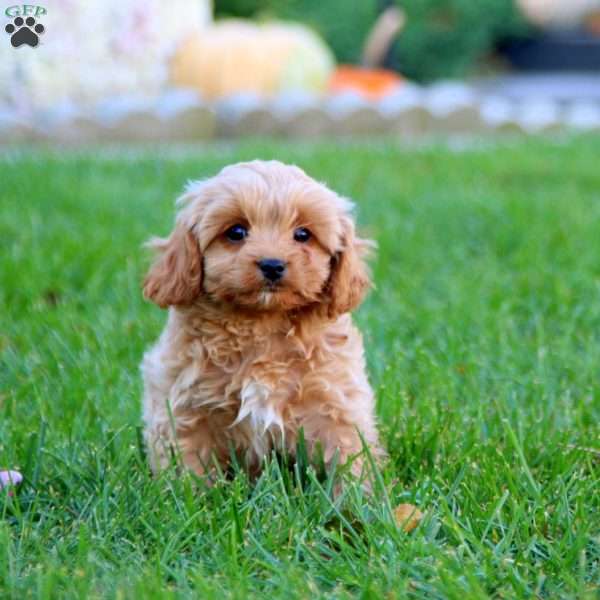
(349, 280)
(175, 278)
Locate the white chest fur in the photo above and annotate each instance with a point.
(259, 411)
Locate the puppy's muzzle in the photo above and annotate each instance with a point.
(272, 269)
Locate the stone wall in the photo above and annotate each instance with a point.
(411, 111)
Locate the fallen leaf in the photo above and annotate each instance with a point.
(407, 516)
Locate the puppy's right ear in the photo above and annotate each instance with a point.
(175, 278)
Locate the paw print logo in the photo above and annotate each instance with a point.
(24, 31)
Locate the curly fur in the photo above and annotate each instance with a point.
(243, 365)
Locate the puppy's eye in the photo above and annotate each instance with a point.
(236, 233)
(302, 234)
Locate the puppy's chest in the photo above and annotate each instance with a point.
(275, 361)
(256, 379)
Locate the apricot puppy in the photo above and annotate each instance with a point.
(259, 275)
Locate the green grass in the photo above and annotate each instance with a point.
(483, 342)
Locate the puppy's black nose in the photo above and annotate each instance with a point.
(272, 268)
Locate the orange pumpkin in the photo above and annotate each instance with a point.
(371, 83)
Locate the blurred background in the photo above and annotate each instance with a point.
(192, 69)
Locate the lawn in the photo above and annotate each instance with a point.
(483, 344)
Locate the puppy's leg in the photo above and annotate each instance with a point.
(194, 443)
(175, 429)
(342, 433)
(201, 446)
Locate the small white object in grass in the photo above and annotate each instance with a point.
(8, 478)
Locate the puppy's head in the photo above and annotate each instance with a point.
(262, 236)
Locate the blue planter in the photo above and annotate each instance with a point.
(555, 51)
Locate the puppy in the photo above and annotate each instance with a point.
(259, 275)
